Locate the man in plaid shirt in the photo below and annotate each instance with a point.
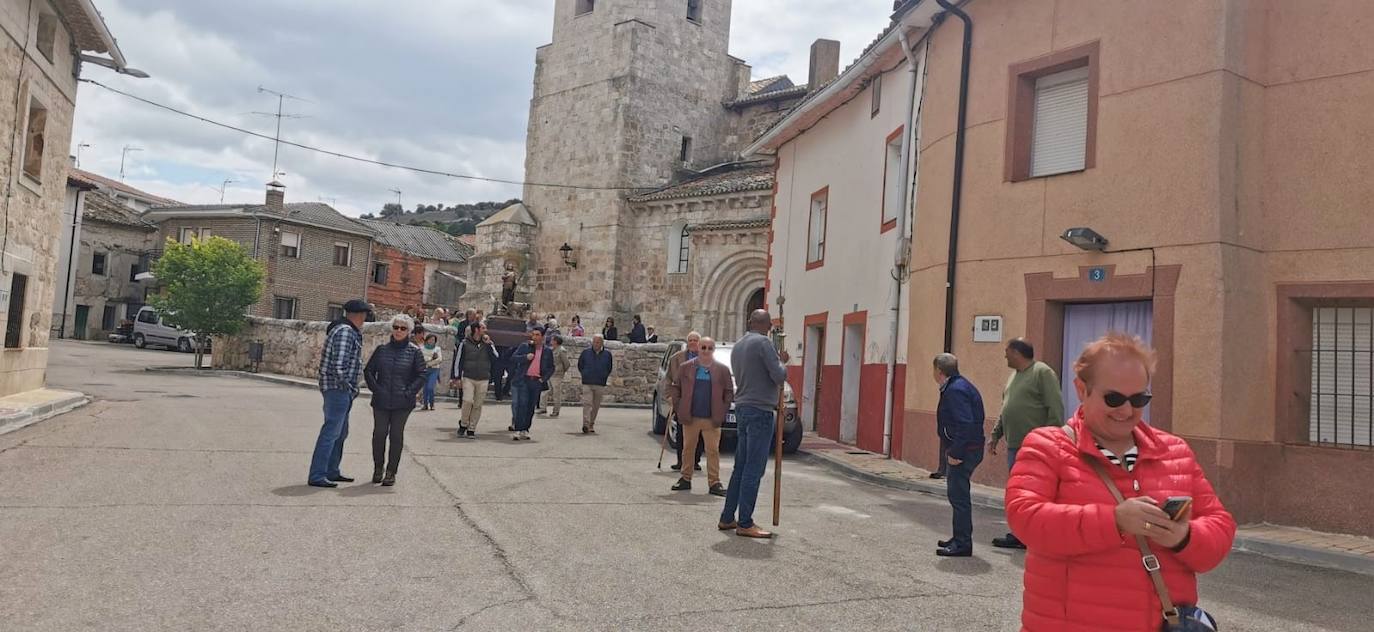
(340, 365)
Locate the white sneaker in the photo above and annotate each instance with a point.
(524, 435)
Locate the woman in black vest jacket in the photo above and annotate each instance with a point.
(394, 374)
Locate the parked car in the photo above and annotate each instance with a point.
(662, 409)
(151, 329)
(123, 334)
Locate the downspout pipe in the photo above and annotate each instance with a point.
(71, 261)
(903, 250)
(960, 137)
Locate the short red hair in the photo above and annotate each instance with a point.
(1114, 344)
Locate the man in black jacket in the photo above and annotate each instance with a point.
(474, 362)
(395, 374)
(531, 368)
(959, 418)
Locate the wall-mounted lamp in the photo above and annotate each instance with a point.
(1085, 238)
(567, 253)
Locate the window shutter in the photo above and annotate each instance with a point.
(291, 240)
(1060, 137)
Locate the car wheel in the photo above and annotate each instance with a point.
(184, 345)
(674, 437)
(660, 422)
(791, 441)
(139, 341)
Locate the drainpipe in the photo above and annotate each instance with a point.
(903, 253)
(959, 139)
(71, 260)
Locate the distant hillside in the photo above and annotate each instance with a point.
(459, 219)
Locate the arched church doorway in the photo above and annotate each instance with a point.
(755, 302)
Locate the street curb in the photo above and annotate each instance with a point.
(304, 383)
(1296, 553)
(42, 412)
(979, 497)
(1305, 555)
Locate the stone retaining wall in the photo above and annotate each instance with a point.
(292, 347)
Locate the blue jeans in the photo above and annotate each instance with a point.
(755, 437)
(431, 381)
(960, 500)
(324, 464)
(1011, 458)
(526, 395)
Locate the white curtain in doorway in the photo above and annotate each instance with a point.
(1086, 323)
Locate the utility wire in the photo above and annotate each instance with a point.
(370, 161)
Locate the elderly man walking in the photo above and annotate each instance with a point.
(759, 370)
(959, 417)
(340, 365)
(686, 355)
(1031, 400)
(595, 364)
(473, 364)
(701, 394)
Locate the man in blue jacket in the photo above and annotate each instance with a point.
(531, 368)
(595, 365)
(959, 418)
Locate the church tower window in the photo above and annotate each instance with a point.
(585, 6)
(694, 10)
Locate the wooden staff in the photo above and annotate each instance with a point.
(777, 458)
(777, 438)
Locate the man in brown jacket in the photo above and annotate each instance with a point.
(701, 396)
(693, 348)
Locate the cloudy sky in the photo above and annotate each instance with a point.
(442, 84)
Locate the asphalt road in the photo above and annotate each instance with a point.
(178, 502)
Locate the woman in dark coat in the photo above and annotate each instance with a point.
(395, 374)
(609, 332)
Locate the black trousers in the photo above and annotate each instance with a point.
(388, 424)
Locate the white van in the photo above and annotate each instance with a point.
(149, 329)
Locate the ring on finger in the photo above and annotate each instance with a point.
(1147, 526)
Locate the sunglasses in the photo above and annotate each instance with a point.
(708, 348)
(400, 328)
(1114, 399)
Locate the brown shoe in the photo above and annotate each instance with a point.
(754, 532)
(726, 526)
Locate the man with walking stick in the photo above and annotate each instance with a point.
(759, 370)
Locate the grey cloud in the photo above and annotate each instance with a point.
(441, 84)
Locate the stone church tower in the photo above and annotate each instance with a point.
(628, 94)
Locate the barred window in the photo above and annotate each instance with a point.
(1342, 376)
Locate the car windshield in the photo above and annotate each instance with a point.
(722, 355)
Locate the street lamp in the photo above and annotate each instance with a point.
(1085, 238)
(109, 63)
(567, 251)
(224, 186)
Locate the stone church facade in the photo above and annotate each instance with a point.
(636, 126)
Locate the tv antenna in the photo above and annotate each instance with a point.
(279, 115)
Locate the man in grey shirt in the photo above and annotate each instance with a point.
(759, 374)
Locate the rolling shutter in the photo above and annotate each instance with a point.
(1060, 137)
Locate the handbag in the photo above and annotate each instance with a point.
(1176, 618)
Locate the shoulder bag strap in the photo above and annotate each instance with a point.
(1147, 557)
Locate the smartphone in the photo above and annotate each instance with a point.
(1176, 505)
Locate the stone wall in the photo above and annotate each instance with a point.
(292, 347)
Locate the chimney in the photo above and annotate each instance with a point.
(825, 63)
(276, 196)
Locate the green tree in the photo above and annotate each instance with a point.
(207, 286)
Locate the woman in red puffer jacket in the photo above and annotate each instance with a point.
(1083, 568)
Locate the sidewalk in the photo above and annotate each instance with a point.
(301, 382)
(30, 407)
(1345, 552)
